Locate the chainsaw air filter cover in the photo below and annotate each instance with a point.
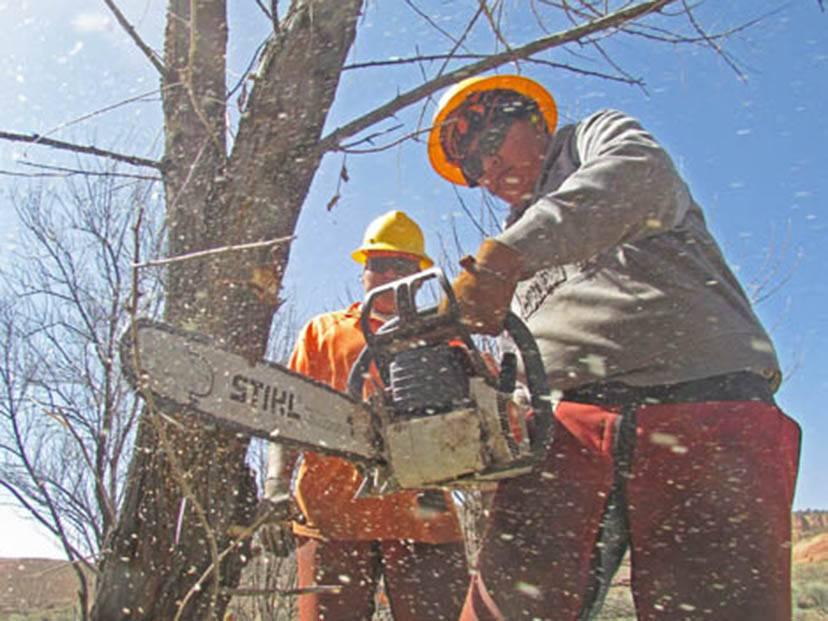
(429, 380)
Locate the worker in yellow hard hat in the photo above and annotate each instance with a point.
(668, 439)
(393, 234)
(410, 539)
(393, 246)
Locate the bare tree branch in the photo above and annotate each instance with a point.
(63, 171)
(332, 141)
(494, 25)
(433, 23)
(463, 36)
(715, 46)
(272, 13)
(408, 60)
(246, 74)
(626, 79)
(109, 108)
(37, 139)
(350, 148)
(146, 49)
(264, 9)
(215, 251)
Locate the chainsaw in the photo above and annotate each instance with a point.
(440, 417)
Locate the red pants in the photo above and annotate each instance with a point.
(706, 500)
(423, 581)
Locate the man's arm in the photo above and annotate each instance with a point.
(625, 188)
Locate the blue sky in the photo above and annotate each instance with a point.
(752, 152)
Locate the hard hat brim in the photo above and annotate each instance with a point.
(360, 255)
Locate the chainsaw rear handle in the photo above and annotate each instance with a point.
(536, 380)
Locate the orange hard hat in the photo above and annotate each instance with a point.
(457, 95)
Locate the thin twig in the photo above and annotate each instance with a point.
(11, 173)
(431, 22)
(538, 61)
(587, 72)
(463, 36)
(715, 46)
(494, 26)
(146, 49)
(213, 251)
(88, 150)
(246, 73)
(350, 148)
(320, 588)
(70, 172)
(385, 147)
(468, 212)
(109, 108)
(342, 178)
(412, 59)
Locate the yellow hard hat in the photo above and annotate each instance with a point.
(457, 95)
(396, 233)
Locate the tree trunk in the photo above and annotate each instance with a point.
(161, 548)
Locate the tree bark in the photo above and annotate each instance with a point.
(161, 548)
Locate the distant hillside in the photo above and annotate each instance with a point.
(809, 523)
(811, 549)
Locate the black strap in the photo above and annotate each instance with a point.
(737, 386)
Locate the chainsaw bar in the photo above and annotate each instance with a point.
(265, 400)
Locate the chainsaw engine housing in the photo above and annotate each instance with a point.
(443, 417)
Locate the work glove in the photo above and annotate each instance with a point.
(485, 287)
(276, 534)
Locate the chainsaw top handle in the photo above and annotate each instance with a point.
(410, 322)
(413, 328)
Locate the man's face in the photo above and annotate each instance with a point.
(382, 268)
(510, 169)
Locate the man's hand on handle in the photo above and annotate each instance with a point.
(485, 287)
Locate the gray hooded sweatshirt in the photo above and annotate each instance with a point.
(627, 283)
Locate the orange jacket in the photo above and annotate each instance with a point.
(325, 486)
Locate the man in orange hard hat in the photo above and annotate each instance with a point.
(348, 542)
(668, 441)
